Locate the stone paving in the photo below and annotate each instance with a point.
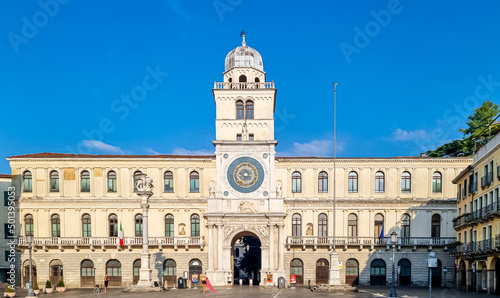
(255, 292)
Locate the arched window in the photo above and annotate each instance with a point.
(195, 267)
(242, 79)
(405, 226)
(436, 226)
(296, 182)
(87, 273)
(169, 272)
(405, 272)
(297, 268)
(194, 178)
(379, 225)
(138, 225)
(54, 181)
(352, 272)
(195, 225)
(296, 225)
(257, 80)
(136, 267)
(26, 267)
(169, 181)
(136, 176)
(323, 182)
(27, 181)
(56, 225)
(377, 273)
(56, 271)
(114, 272)
(85, 181)
(406, 182)
(353, 182)
(322, 225)
(240, 110)
(86, 226)
(113, 225)
(249, 109)
(379, 182)
(111, 181)
(437, 186)
(28, 225)
(352, 225)
(169, 225)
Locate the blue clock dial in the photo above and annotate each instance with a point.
(245, 174)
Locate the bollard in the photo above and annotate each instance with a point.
(241, 282)
(309, 284)
(250, 282)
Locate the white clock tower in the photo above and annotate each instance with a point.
(245, 200)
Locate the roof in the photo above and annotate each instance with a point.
(464, 172)
(9, 176)
(95, 156)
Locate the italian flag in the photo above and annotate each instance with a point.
(121, 235)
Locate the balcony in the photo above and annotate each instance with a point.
(473, 187)
(477, 248)
(487, 179)
(462, 220)
(111, 242)
(371, 242)
(243, 85)
(498, 172)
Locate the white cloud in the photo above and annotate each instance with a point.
(100, 146)
(318, 148)
(151, 151)
(404, 135)
(182, 151)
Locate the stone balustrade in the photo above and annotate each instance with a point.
(244, 85)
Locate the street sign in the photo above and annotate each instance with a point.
(340, 264)
(432, 262)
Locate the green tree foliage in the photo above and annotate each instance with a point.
(476, 135)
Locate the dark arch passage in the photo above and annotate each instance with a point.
(247, 257)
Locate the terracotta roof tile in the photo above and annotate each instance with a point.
(91, 156)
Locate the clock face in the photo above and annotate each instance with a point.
(245, 174)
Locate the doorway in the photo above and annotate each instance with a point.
(247, 258)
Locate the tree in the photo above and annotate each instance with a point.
(476, 135)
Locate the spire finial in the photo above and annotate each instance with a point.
(242, 34)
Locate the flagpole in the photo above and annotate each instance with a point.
(334, 161)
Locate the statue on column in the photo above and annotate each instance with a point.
(212, 190)
(144, 183)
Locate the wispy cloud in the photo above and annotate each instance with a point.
(151, 151)
(101, 147)
(405, 135)
(320, 148)
(183, 151)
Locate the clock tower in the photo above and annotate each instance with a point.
(244, 198)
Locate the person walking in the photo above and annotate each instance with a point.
(203, 278)
(229, 280)
(106, 281)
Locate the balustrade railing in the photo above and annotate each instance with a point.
(342, 241)
(244, 85)
(110, 241)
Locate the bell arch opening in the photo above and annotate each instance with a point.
(246, 257)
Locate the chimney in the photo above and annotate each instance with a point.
(422, 154)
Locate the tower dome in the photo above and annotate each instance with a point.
(244, 56)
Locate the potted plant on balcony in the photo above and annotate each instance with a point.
(36, 289)
(60, 286)
(48, 287)
(9, 292)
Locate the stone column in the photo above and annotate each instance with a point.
(334, 274)
(281, 245)
(145, 271)
(271, 247)
(210, 248)
(220, 238)
(491, 281)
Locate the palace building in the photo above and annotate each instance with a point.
(242, 210)
(478, 221)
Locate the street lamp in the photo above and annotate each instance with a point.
(29, 240)
(394, 239)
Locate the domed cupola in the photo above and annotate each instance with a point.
(244, 56)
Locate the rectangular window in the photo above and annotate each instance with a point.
(459, 237)
(238, 137)
(465, 237)
(250, 137)
(7, 253)
(86, 230)
(459, 211)
(6, 198)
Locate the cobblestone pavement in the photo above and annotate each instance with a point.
(255, 292)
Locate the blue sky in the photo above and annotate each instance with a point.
(409, 73)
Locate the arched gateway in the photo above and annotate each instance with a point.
(246, 258)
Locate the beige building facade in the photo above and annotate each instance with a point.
(204, 207)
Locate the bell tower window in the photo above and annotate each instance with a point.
(243, 79)
(240, 111)
(249, 110)
(257, 80)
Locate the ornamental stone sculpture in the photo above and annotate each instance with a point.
(144, 183)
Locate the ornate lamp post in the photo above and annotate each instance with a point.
(394, 239)
(29, 240)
